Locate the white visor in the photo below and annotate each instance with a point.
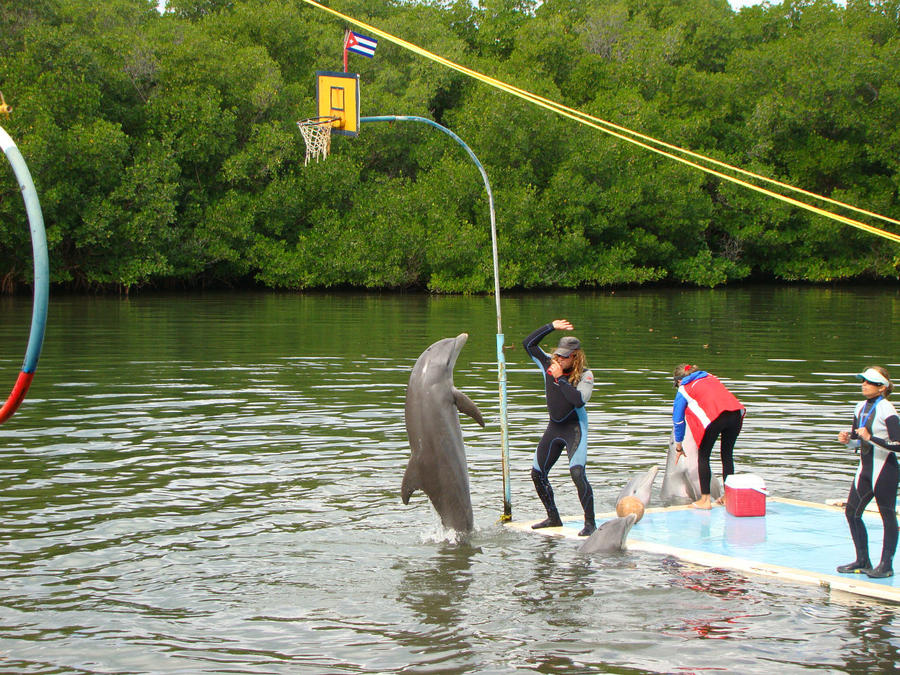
(872, 375)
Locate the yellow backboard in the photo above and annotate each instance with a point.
(337, 95)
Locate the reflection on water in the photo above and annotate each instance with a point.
(211, 484)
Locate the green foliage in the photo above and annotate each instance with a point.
(165, 150)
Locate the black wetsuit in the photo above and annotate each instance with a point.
(567, 429)
(877, 477)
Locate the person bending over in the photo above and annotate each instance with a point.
(709, 410)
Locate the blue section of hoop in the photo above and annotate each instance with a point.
(39, 251)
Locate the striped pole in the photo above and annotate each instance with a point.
(501, 359)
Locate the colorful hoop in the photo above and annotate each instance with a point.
(41, 276)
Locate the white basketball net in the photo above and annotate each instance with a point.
(317, 135)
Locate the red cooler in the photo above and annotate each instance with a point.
(745, 495)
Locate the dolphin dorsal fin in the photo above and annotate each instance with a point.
(466, 406)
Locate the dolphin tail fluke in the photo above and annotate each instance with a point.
(467, 406)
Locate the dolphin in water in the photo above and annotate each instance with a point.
(681, 482)
(610, 536)
(437, 465)
(640, 486)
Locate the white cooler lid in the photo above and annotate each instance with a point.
(746, 481)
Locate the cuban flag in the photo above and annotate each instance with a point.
(360, 44)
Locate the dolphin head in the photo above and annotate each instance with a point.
(610, 536)
(681, 482)
(640, 486)
(436, 363)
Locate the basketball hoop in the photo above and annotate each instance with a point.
(317, 135)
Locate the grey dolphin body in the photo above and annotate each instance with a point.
(610, 536)
(437, 465)
(681, 483)
(640, 486)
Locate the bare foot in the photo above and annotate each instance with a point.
(721, 501)
(702, 503)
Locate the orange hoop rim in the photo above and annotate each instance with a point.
(317, 121)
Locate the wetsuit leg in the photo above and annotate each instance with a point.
(548, 451)
(860, 495)
(886, 498)
(586, 496)
(545, 492)
(577, 451)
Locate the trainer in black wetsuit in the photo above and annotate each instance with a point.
(568, 421)
(876, 433)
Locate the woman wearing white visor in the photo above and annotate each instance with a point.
(876, 435)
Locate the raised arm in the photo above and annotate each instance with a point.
(532, 342)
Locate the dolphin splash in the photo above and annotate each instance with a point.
(437, 465)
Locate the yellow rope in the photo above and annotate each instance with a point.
(619, 132)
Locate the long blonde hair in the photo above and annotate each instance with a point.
(579, 365)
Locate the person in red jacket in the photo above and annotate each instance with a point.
(705, 408)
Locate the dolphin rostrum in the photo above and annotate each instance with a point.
(437, 465)
(640, 486)
(610, 536)
(681, 483)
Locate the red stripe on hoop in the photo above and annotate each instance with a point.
(17, 396)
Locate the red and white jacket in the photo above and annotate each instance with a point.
(701, 398)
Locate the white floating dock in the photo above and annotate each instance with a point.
(795, 541)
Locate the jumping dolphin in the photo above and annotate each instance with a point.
(610, 536)
(640, 486)
(437, 465)
(681, 483)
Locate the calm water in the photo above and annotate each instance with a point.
(210, 484)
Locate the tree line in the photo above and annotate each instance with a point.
(165, 150)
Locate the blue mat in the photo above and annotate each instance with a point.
(795, 541)
(795, 535)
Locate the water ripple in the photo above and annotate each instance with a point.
(232, 505)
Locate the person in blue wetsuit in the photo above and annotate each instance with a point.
(568, 384)
(876, 435)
